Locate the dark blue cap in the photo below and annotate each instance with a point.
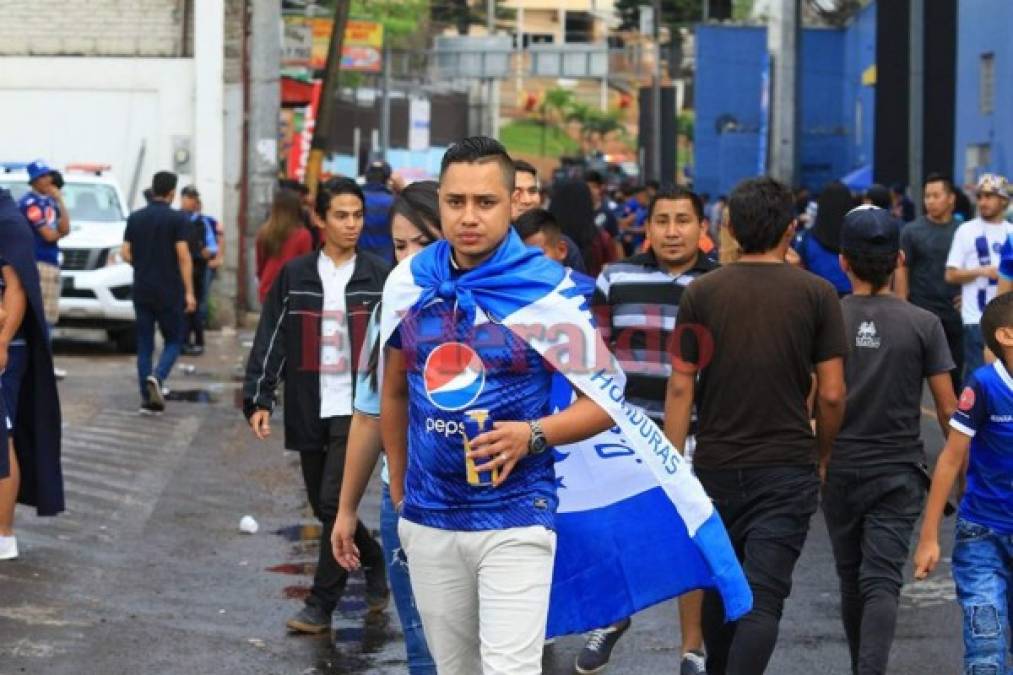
(38, 169)
(870, 229)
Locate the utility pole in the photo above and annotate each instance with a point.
(783, 38)
(492, 94)
(261, 143)
(656, 97)
(385, 104)
(916, 99)
(325, 115)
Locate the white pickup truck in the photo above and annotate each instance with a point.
(96, 284)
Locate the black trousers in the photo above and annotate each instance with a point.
(322, 473)
(953, 327)
(195, 322)
(871, 514)
(766, 512)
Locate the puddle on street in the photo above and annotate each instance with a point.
(351, 648)
(295, 592)
(306, 532)
(192, 396)
(369, 638)
(306, 568)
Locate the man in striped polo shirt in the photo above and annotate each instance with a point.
(636, 303)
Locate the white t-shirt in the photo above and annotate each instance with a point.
(977, 243)
(335, 343)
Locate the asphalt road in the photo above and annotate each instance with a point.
(147, 571)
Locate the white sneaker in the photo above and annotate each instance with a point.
(8, 547)
(59, 373)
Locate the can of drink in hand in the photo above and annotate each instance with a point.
(477, 422)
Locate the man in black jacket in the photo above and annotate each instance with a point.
(310, 335)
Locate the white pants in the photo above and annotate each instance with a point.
(483, 596)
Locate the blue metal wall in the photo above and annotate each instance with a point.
(984, 26)
(836, 109)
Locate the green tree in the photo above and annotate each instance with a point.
(462, 14)
(400, 19)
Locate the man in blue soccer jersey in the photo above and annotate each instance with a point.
(480, 556)
(982, 558)
(45, 211)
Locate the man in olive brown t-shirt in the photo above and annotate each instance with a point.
(752, 335)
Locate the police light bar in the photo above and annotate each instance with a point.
(86, 167)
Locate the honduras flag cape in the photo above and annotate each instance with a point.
(634, 526)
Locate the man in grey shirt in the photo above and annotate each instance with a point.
(876, 480)
(926, 244)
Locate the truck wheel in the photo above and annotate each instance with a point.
(125, 339)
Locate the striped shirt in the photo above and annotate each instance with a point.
(636, 305)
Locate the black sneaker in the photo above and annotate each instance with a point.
(377, 593)
(598, 649)
(147, 408)
(693, 663)
(310, 619)
(155, 402)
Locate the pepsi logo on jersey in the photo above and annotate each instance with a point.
(454, 376)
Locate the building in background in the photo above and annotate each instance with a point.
(837, 102)
(984, 130)
(140, 86)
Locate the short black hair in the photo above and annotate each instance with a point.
(162, 183)
(534, 221)
(294, 185)
(872, 268)
(940, 178)
(674, 193)
(998, 314)
(333, 187)
(478, 150)
(520, 166)
(879, 196)
(594, 177)
(760, 210)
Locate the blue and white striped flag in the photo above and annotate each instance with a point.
(634, 525)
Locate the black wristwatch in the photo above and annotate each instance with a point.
(537, 444)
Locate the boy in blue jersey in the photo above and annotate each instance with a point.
(480, 556)
(982, 561)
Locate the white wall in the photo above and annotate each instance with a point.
(80, 109)
(92, 27)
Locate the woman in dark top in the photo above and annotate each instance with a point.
(820, 246)
(572, 207)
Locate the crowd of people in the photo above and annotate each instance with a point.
(783, 343)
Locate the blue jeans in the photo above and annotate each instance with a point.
(420, 662)
(982, 571)
(974, 349)
(205, 295)
(170, 325)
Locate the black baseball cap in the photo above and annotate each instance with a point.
(378, 170)
(190, 191)
(870, 229)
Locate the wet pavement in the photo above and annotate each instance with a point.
(147, 570)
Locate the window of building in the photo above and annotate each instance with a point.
(987, 92)
(579, 27)
(977, 158)
(536, 39)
